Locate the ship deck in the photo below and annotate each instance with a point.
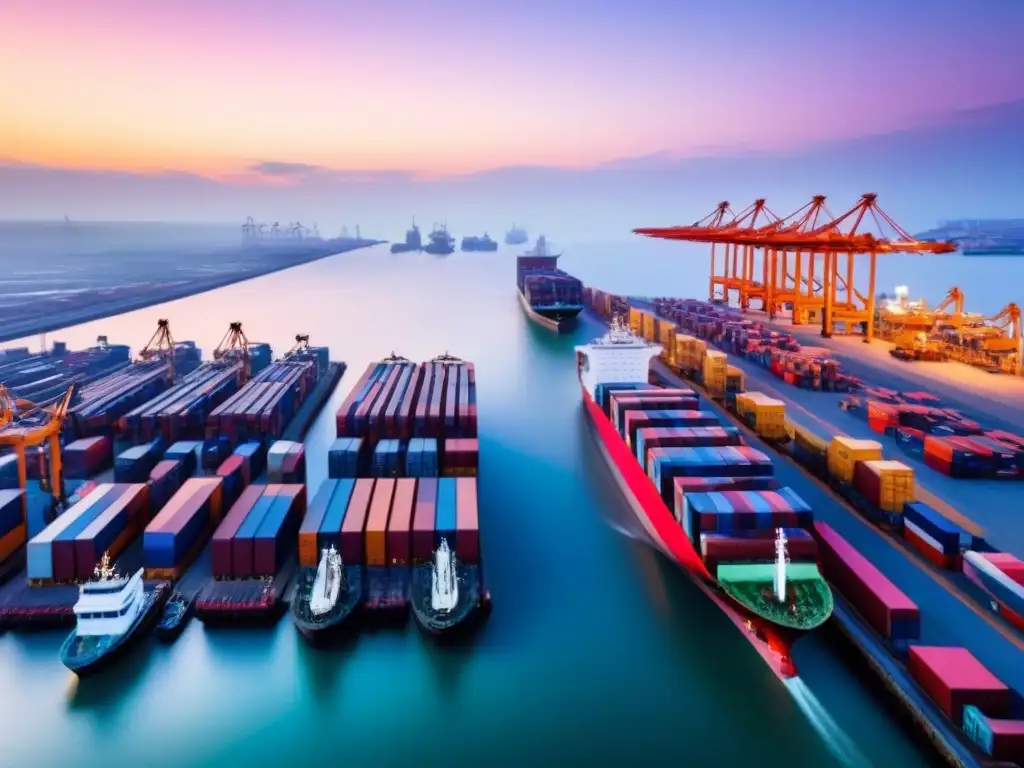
(948, 615)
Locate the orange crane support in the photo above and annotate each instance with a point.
(807, 232)
(235, 344)
(160, 344)
(33, 426)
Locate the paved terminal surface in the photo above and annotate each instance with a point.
(948, 616)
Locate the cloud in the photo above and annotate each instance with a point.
(279, 168)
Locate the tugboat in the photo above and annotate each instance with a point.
(440, 242)
(413, 241)
(326, 596)
(113, 613)
(516, 236)
(176, 615)
(473, 243)
(446, 594)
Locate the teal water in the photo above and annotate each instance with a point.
(597, 652)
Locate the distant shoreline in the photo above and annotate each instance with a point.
(100, 310)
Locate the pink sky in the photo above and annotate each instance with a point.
(450, 87)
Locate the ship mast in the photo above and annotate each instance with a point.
(781, 558)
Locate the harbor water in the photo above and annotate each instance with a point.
(597, 651)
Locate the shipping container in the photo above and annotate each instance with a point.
(883, 606)
(274, 540)
(461, 457)
(729, 512)
(12, 514)
(233, 472)
(399, 545)
(1006, 590)
(755, 547)
(243, 555)
(665, 464)
(254, 460)
(684, 437)
(998, 738)
(622, 403)
(265, 405)
(845, 452)
(329, 532)
(64, 542)
(467, 522)
(424, 519)
(174, 536)
(346, 413)
(86, 457)
(446, 520)
(112, 530)
(187, 452)
(953, 678)
(344, 457)
(387, 460)
(309, 553)
(377, 522)
(887, 485)
(352, 550)
(603, 392)
(222, 543)
(39, 551)
(135, 464)
(636, 420)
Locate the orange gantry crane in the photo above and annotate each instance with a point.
(235, 345)
(31, 426)
(803, 236)
(160, 344)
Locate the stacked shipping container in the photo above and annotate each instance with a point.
(176, 535)
(257, 533)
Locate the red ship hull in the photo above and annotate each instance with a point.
(667, 536)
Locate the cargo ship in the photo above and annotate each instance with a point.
(402, 480)
(112, 613)
(42, 378)
(439, 242)
(550, 297)
(326, 596)
(175, 616)
(484, 243)
(703, 499)
(992, 248)
(516, 236)
(413, 240)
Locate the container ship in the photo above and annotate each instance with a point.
(516, 236)
(439, 242)
(704, 499)
(43, 378)
(413, 240)
(402, 488)
(473, 243)
(550, 297)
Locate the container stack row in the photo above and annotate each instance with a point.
(408, 420)
(45, 377)
(286, 462)
(263, 407)
(551, 288)
(606, 305)
(105, 520)
(86, 457)
(181, 412)
(392, 521)
(179, 531)
(258, 532)
(941, 437)
(96, 408)
(12, 522)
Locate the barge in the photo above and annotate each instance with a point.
(549, 297)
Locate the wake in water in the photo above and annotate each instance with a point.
(838, 743)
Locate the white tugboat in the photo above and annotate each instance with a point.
(444, 593)
(325, 596)
(111, 613)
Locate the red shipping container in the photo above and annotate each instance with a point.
(715, 549)
(355, 521)
(467, 522)
(953, 678)
(270, 546)
(885, 608)
(399, 551)
(1008, 564)
(221, 545)
(423, 520)
(461, 455)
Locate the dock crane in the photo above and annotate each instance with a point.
(161, 344)
(31, 427)
(235, 345)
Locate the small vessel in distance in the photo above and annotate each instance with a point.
(326, 596)
(439, 242)
(112, 613)
(516, 236)
(703, 499)
(473, 243)
(445, 593)
(550, 297)
(413, 240)
(175, 616)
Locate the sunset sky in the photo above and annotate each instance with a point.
(440, 86)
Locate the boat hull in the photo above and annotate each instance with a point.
(321, 631)
(666, 535)
(88, 664)
(472, 607)
(556, 324)
(171, 625)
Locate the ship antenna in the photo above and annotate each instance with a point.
(781, 559)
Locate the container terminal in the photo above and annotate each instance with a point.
(398, 517)
(549, 297)
(150, 483)
(908, 569)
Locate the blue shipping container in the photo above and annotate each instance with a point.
(444, 522)
(950, 536)
(10, 510)
(185, 452)
(330, 528)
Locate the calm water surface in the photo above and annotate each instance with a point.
(597, 651)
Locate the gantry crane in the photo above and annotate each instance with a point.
(301, 345)
(805, 232)
(161, 344)
(31, 427)
(994, 345)
(235, 345)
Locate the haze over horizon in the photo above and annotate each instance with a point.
(569, 114)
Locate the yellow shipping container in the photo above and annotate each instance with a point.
(809, 440)
(895, 484)
(734, 377)
(765, 414)
(844, 452)
(667, 339)
(636, 321)
(650, 331)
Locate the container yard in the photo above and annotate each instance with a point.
(44, 378)
(550, 297)
(882, 623)
(400, 507)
